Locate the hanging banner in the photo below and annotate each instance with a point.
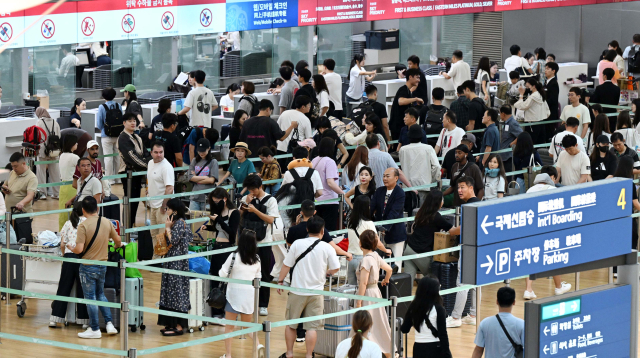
(151, 18)
(98, 20)
(201, 16)
(59, 27)
(11, 24)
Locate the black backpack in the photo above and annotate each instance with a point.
(634, 60)
(433, 120)
(358, 112)
(113, 125)
(53, 144)
(303, 185)
(183, 133)
(255, 110)
(253, 222)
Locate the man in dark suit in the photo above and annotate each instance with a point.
(607, 93)
(388, 203)
(553, 91)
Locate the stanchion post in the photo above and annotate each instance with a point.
(457, 216)
(266, 328)
(577, 281)
(478, 298)
(439, 181)
(256, 302)
(125, 219)
(124, 310)
(394, 323)
(610, 275)
(7, 223)
(133, 353)
(529, 174)
(234, 187)
(507, 283)
(341, 210)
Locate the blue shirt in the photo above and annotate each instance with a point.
(510, 131)
(404, 136)
(379, 162)
(192, 139)
(491, 138)
(491, 337)
(102, 115)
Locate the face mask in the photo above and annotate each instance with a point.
(492, 172)
(603, 149)
(217, 208)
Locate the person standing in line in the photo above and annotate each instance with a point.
(552, 91)
(242, 264)
(358, 345)
(240, 167)
(420, 162)
(93, 149)
(161, 181)
(491, 339)
(109, 144)
(476, 108)
(451, 135)
(351, 172)
(571, 128)
(263, 131)
(411, 117)
(202, 103)
(366, 187)
(270, 169)
(603, 162)
(289, 89)
(495, 178)
(357, 75)
(334, 87)
(536, 109)
(403, 100)
(428, 317)
(203, 173)
(174, 289)
(460, 71)
(538, 66)
(620, 149)
(133, 157)
(131, 105)
(92, 243)
(322, 93)
(460, 108)
(248, 100)
(491, 137)
(328, 170)
(573, 165)
(368, 274)
(462, 169)
(50, 127)
(227, 101)
(303, 105)
(68, 164)
(169, 139)
(386, 204)
(87, 184)
(164, 106)
(413, 62)
(379, 109)
(577, 110)
(379, 161)
(516, 62)
(482, 79)
(524, 155)
(509, 132)
(608, 62)
(79, 105)
(236, 126)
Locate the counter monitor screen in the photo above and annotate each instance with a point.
(83, 60)
(207, 49)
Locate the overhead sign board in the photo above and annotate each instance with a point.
(545, 252)
(517, 216)
(594, 323)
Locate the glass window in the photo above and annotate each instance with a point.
(201, 52)
(10, 76)
(415, 39)
(53, 69)
(456, 33)
(256, 53)
(290, 44)
(121, 64)
(332, 42)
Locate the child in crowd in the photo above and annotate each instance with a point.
(494, 178)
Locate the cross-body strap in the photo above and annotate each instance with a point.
(233, 260)
(83, 185)
(201, 169)
(516, 346)
(95, 234)
(308, 250)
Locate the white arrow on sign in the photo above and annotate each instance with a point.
(546, 330)
(545, 350)
(488, 265)
(485, 224)
(574, 306)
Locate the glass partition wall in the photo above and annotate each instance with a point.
(416, 39)
(50, 72)
(10, 72)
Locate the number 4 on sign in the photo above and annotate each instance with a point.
(621, 201)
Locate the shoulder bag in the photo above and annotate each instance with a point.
(217, 297)
(517, 347)
(162, 245)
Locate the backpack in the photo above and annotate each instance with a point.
(503, 88)
(113, 125)
(433, 120)
(634, 60)
(182, 134)
(53, 145)
(358, 112)
(34, 135)
(255, 110)
(303, 189)
(253, 222)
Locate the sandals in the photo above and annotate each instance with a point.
(166, 328)
(172, 332)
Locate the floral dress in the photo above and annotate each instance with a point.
(174, 289)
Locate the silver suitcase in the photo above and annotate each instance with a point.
(336, 329)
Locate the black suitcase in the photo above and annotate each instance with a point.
(112, 296)
(145, 245)
(22, 227)
(447, 273)
(15, 269)
(111, 212)
(400, 285)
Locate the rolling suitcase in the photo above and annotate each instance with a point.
(196, 299)
(111, 211)
(400, 285)
(22, 227)
(145, 243)
(134, 294)
(114, 297)
(336, 329)
(16, 271)
(447, 273)
(206, 288)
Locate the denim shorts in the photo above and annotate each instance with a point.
(228, 308)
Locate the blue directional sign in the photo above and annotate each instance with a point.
(545, 252)
(594, 323)
(518, 216)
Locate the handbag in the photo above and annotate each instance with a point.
(217, 297)
(162, 246)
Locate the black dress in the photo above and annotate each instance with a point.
(370, 190)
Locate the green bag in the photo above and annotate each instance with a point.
(130, 254)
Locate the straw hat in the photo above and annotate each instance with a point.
(242, 145)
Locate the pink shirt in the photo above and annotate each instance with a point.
(327, 169)
(606, 64)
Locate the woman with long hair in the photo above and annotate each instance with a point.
(482, 79)
(248, 99)
(373, 124)
(603, 162)
(79, 105)
(50, 127)
(627, 130)
(131, 102)
(428, 221)
(368, 274)
(174, 289)
(326, 166)
(322, 93)
(535, 108)
(341, 154)
(428, 317)
(524, 155)
(242, 264)
(224, 220)
(358, 346)
(600, 127)
(226, 102)
(68, 163)
(350, 174)
(69, 273)
(619, 61)
(359, 221)
(608, 62)
(635, 109)
(203, 173)
(495, 178)
(366, 187)
(356, 76)
(540, 62)
(236, 126)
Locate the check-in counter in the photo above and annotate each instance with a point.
(388, 88)
(89, 122)
(218, 122)
(12, 130)
(274, 98)
(447, 85)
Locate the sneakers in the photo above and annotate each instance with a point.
(261, 351)
(529, 295)
(468, 319)
(111, 329)
(85, 326)
(300, 339)
(90, 334)
(453, 322)
(263, 311)
(565, 287)
(53, 324)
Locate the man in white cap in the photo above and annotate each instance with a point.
(93, 149)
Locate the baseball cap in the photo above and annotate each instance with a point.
(463, 148)
(470, 138)
(92, 142)
(603, 139)
(203, 145)
(128, 88)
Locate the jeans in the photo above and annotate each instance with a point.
(461, 300)
(352, 267)
(412, 266)
(103, 60)
(520, 182)
(195, 205)
(272, 189)
(92, 280)
(111, 164)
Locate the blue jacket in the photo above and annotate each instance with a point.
(393, 210)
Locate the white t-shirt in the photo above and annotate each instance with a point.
(159, 175)
(239, 296)
(272, 210)
(581, 112)
(186, 100)
(304, 127)
(93, 187)
(354, 241)
(226, 103)
(369, 349)
(425, 335)
(493, 186)
(356, 83)
(572, 166)
(514, 62)
(334, 84)
(202, 102)
(311, 271)
(459, 73)
(449, 139)
(555, 147)
(323, 99)
(302, 171)
(67, 163)
(630, 137)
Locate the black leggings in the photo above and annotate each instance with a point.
(135, 193)
(429, 350)
(265, 255)
(69, 275)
